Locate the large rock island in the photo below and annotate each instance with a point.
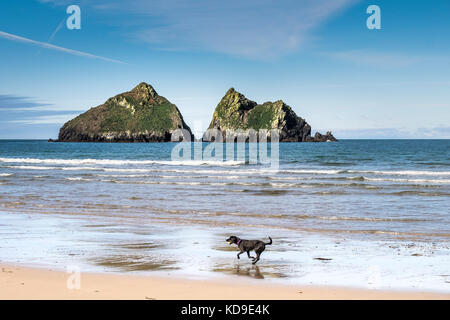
(236, 112)
(139, 115)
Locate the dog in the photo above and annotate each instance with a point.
(248, 245)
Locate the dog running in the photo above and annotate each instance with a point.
(248, 245)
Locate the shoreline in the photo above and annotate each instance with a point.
(19, 282)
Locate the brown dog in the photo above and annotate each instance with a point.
(248, 245)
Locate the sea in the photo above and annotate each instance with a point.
(359, 213)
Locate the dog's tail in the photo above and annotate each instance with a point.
(270, 242)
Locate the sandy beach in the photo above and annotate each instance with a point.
(17, 282)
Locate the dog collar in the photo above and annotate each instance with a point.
(239, 241)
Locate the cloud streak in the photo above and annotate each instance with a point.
(13, 37)
(48, 119)
(15, 103)
(60, 25)
(19, 110)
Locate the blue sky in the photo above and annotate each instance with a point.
(316, 55)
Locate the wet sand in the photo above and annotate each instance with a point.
(17, 282)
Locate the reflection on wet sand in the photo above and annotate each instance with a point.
(139, 245)
(252, 271)
(135, 263)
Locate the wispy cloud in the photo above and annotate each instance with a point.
(13, 37)
(60, 25)
(24, 110)
(260, 29)
(49, 119)
(16, 103)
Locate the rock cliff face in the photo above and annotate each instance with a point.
(235, 112)
(139, 115)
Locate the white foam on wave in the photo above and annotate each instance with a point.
(78, 168)
(169, 176)
(311, 171)
(5, 174)
(376, 172)
(130, 170)
(52, 168)
(443, 181)
(32, 168)
(138, 170)
(102, 164)
(171, 171)
(78, 179)
(121, 162)
(404, 172)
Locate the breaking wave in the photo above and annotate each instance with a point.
(121, 162)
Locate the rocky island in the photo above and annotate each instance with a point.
(139, 115)
(236, 112)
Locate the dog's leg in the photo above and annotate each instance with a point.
(249, 256)
(258, 254)
(255, 260)
(239, 254)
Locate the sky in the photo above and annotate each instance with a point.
(318, 56)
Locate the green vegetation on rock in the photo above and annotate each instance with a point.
(236, 112)
(138, 115)
(264, 116)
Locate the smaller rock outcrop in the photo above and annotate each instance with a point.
(318, 137)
